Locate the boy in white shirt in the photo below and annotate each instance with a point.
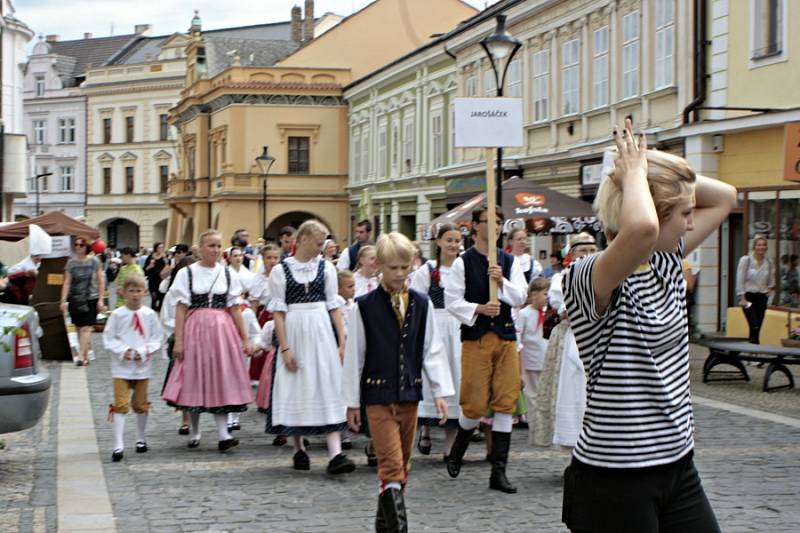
(132, 335)
(532, 344)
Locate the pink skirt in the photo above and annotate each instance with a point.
(212, 376)
(264, 394)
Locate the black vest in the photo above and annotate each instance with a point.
(393, 363)
(353, 253)
(477, 291)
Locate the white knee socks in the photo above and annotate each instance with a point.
(233, 418)
(334, 441)
(194, 423)
(502, 422)
(222, 426)
(141, 423)
(119, 431)
(297, 443)
(468, 423)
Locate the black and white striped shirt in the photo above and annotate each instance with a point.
(639, 409)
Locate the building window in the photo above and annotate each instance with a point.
(129, 180)
(190, 156)
(163, 127)
(107, 180)
(355, 153)
(471, 85)
(298, 155)
(106, 131)
(541, 85)
(452, 148)
(44, 181)
(436, 141)
(39, 131)
(570, 74)
(489, 83)
(66, 179)
(767, 28)
(630, 54)
(163, 178)
(408, 147)
(128, 129)
(381, 152)
(395, 148)
(514, 79)
(600, 68)
(364, 153)
(66, 130)
(39, 84)
(665, 39)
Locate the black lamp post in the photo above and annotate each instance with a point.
(36, 187)
(500, 46)
(265, 162)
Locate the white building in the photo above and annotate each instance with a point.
(15, 35)
(55, 121)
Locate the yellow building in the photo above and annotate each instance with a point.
(739, 135)
(229, 111)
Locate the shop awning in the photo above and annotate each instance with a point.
(54, 223)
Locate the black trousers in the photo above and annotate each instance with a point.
(755, 313)
(660, 499)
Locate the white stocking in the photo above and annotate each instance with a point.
(119, 431)
(141, 424)
(334, 441)
(222, 426)
(194, 423)
(468, 423)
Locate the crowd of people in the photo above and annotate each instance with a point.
(382, 342)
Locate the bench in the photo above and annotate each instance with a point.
(734, 352)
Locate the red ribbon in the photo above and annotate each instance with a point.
(137, 325)
(541, 317)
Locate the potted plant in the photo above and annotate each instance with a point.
(793, 340)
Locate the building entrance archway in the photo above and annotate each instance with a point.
(120, 233)
(292, 218)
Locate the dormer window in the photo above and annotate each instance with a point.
(39, 84)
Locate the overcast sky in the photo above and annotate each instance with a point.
(70, 19)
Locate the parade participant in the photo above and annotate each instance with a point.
(179, 251)
(259, 292)
(392, 342)
(254, 334)
(349, 258)
(366, 271)
(129, 266)
(561, 354)
(153, 267)
(329, 250)
(489, 359)
(306, 396)
(517, 245)
(287, 240)
(132, 334)
(244, 276)
(347, 291)
(84, 286)
(430, 280)
(532, 344)
(632, 468)
(209, 374)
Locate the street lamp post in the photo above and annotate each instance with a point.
(265, 162)
(500, 46)
(36, 188)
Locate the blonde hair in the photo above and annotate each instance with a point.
(310, 228)
(395, 245)
(269, 248)
(208, 233)
(581, 238)
(669, 177)
(759, 237)
(134, 279)
(362, 252)
(343, 275)
(538, 284)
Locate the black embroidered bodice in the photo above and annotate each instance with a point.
(210, 300)
(436, 291)
(303, 293)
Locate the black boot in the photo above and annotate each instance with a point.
(380, 521)
(499, 458)
(458, 450)
(393, 507)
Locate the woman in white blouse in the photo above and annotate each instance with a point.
(755, 279)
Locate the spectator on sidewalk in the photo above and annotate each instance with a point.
(84, 284)
(755, 280)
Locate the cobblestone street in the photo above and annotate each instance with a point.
(750, 468)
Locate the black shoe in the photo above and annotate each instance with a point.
(183, 430)
(499, 458)
(193, 443)
(380, 521)
(347, 445)
(227, 444)
(393, 507)
(235, 427)
(116, 456)
(340, 465)
(457, 451)
(372, 459)
(424, 444)
(306, 442)
(141, 447)
(301, 460)
(445, 457)
(280, 440)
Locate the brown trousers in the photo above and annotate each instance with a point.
(393, 428)
(122, 394)
(489, 376)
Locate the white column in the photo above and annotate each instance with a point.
(395, 216)
(423, 217)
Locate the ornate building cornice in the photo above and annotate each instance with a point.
(226, 100)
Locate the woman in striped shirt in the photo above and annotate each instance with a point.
(632, 468)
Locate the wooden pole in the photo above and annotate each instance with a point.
(491, 228)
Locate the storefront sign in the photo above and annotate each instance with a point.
(488, 122)
(60, 247)
(791, 154)
(591, 174)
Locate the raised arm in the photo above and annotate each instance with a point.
(714, 200)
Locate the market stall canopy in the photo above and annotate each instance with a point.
(54, 223)
(525, 203)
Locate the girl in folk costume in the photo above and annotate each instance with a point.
(517, 245)
(347, 291)
(259, 300)
(307, 394)
(254, 334)
(366, 274)
(209, 375)
(430, 279)
(244, 276)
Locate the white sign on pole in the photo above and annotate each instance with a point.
(60, 247)
(488, 122)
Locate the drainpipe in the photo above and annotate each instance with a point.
(2, 134)
(700, 80)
